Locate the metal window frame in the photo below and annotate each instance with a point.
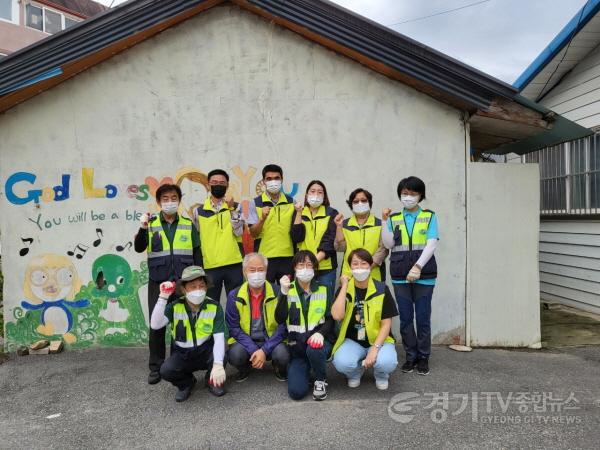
(551, 161)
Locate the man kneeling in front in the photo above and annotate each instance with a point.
(198, 332)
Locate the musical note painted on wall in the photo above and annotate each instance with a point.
(79, 251)
(120, 248)
(25, 250)
(99, 234)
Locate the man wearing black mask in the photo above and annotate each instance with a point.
(220, 224)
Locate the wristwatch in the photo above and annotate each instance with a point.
(378, 346)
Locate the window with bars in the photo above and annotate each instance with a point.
(569, 177)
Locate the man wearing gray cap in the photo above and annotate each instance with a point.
(198, 332)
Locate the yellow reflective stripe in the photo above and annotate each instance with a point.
(207, 315)
(295, 328)
(179, 316)
(183, 227)
(180, 251)
(155, 229)
(160, 254)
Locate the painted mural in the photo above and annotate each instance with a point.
(80, 279)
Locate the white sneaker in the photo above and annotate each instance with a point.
(381, 385)
(353, 382)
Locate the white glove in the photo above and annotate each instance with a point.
(217, 375)
(316, 340)
(166, 289)
(285, 284)
(144, 220)
(414, 274)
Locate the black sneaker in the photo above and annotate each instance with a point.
(154, 377)
(320, 390)
(280, 374)
(217, 391)
(408, 366)
(183, 394)
(423, 366)
(242, 375)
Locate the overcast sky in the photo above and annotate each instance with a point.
(499, 37)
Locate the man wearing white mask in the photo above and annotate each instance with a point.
(412, 237)
(198, 330)
(304, 306)
(172, 243)
(255, 335)
(270, 219)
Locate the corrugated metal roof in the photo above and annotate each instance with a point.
(441, 73)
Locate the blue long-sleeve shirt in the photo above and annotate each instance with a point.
(232, 317)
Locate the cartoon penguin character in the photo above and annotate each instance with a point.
(112, 274)
(50, 285)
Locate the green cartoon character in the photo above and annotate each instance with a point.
(120, 303)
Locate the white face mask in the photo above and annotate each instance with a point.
(361, 274)
(273, 186)
(196, 296)
(314, 200)
(257, 279)
(409, 201)
(361, 208)
(169, 207)
(305, 275)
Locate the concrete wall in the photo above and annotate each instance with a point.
(503, 223)
(570, 263)
(225, 89)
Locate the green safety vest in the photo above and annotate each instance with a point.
(315, 228)
(220, 246)
(242, 303)
(373, 305)
(161, 256)
(317, 307)
(368, 237)
(275, 238)
(181, 328)
(409, 246)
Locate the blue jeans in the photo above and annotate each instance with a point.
(349, 356)
(301, 363)
(328, 279)
(414, 302)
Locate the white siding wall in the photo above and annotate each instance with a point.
(577, 96)
(570, 263)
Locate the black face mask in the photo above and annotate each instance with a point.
(218, 190)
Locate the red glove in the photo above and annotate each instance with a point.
(166, 289)
(316, 340)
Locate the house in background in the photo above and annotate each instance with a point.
(23, 22)
(565, 78)
(93, 119)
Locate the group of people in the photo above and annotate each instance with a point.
(281, 300)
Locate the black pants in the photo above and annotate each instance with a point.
(240, 358)
(279, 267)
(156, 338)
(414, 305)
(231, 276)
(179, 368)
